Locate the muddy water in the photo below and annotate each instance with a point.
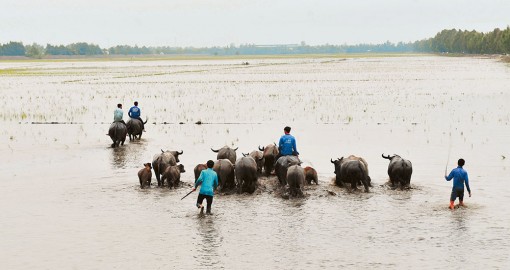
(69, 201)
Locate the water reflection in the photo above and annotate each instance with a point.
(210, 240)
(129, 153)
(118, 157)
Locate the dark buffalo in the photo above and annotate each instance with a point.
(399, 171)
(117, 133)
(226, 152)
(246, 174)
(270, 153)
(351, 170)
(134, 128)
(225, 171)
(295, 180)
(145, 175)
(311, 175)
(198, 169)
(172, 175)
(282, 164)
(258, 156)
(161, 161)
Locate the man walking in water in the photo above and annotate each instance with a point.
(460, 177)
(134, 112)
(287, 144)
(118, 114)
(209, 181)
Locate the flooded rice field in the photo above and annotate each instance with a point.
(70, 201)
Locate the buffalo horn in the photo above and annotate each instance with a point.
(261, 149)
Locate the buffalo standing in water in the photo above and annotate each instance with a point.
(226, 152)
(295, 179)
(311, 175)
(225, 171)
(246, 174)
(282, 164)
(258, 156)
(351, 170)
(134, 128)
(198, 169)
(117, 133)
(270, 153)
(161, 161)
(172, 175)
(399, 171)
(145, 175)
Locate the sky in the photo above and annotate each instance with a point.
(206, 23)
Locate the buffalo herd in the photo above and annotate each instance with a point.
(241, 174)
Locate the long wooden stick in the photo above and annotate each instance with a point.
(187, 194)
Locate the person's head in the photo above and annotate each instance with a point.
(286, 129)
(210, 164)
(461, 162)
(119, 106)
(136, 103)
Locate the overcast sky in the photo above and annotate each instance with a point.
(221, 22)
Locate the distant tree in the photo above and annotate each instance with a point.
(13, 49)
(35, 50)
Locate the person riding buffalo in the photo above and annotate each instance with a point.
(287, 144)
(118, 114)
(135, 113)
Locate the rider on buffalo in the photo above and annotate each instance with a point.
(135, 113)
(287, 144)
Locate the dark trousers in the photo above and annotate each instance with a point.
(457, 192)
(209, 200)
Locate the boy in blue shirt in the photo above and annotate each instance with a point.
(118, 114)
(460, 177)
(209, 181)
(134, 112)
(287, 144)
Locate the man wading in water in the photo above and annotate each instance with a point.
(209, 181)
(460, 177)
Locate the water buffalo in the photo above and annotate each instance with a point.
(295, 179)
(399, 171)
(351, 170)
(226, 152)
(258, 156)
(172, 175)
(145, 175)
(225, 171)
(282, 164)
(270, 153)
(161, 161)
(134, 128)
(198, 169)
(311, 175)
(246, 174)
(117, 133)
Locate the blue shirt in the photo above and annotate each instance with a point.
(209, 180)
(117, 115)
(134, 112)
(287, 145)
(460, 177)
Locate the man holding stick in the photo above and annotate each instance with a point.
(460, 177)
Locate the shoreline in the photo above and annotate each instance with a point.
(178, 57)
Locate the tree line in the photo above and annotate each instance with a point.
(446, 41)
